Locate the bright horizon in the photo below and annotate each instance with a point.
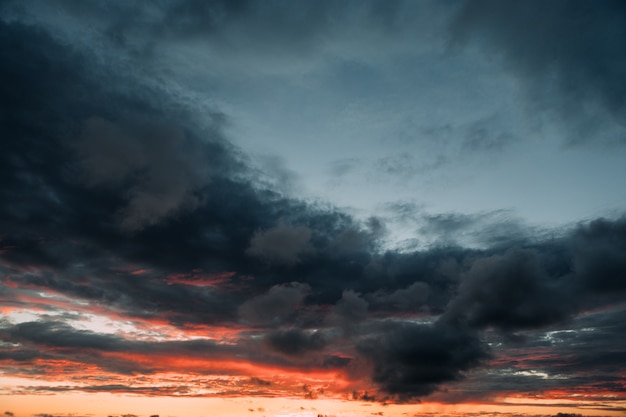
(303, 208)
(83, 405)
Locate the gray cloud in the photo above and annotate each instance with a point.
(351, 308)
(406, 166)
(343, 167)
(275, 174)
(275, 306)
(163, 168)
(488, 229)
(572, 53)
(282, 244)
(352, 240)
(411, 298)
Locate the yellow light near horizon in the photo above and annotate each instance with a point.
(106, 404)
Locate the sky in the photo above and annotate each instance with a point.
(312, 208)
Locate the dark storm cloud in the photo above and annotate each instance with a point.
(517, 288)
(509, 291)
(598, 250)
(570, 48)
(49, 97)
(295, 342)
(411, 360)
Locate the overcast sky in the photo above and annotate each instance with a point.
(370, 203)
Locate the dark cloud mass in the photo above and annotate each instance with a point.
(599, 255)
(161, 170)
(411, 360)
(295, 342)
(509, 291)
(118, 199)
